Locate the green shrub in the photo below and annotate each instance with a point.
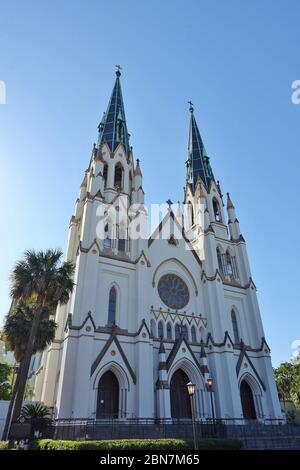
(136, 444)
(3, 445)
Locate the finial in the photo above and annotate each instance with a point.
(137, 171)
(169, 202)
(229, 202)
(118, 67)
(191, 107)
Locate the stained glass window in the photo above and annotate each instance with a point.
(105, 173)
(185, 331)
(107, 239)
(173, 291)
(153, 328)
(112, 305)
(217, 210)
(169, 331)
(229, 264)
(177, 331)
(220, 264)
(235, 327)
(194, 335)
(160, 329)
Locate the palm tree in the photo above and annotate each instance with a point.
(16, 333)
(17, 326)
(36, 414)
(40, 278)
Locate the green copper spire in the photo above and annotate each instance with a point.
(198, 165)
(112, 128)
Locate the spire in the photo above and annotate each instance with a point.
(198, 162)
(137, 171)
(233, 223)
(113, 128)
(229, 202)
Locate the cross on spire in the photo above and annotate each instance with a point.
(191, 106)
(113, 127)
(198, 162)
(119, 68)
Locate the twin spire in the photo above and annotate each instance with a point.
(198, 165)
(113, 131)
(113, 127)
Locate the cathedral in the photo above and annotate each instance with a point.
(150, 314)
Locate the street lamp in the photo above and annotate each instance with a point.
(191, 391)
(210, 384)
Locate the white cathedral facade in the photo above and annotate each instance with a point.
(148, 315)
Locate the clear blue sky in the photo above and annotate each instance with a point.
(235, 59)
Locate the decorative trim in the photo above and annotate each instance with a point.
(236, 346)
(102, 353)
(175, 350)
(142, 254)
(86, 250)
(243, 354)
(143, 324)
(88, 317)
(158, 229)
(174, 316)
(186, 270)
(249, 284)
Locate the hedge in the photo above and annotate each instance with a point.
(3, 445)
(136, 444)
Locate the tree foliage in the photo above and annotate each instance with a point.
(17, 327)
(39, 278)
(5, 381)
(37, 414)
(287, 377)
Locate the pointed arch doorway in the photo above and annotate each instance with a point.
(108, 396)
(247, 401)
(180, 400)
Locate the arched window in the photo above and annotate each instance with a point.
(194, 334)
(107, 239)
(191, 213)
(105, 173)
(112, 306)
(217, 212)
(229, 267)
(220, 262)
(160, 329)
(185, 332)
(235, 327)
(121, 239)
(177, 331)
(201, 333)
(169, 330)
(153, 328)
(118, 181)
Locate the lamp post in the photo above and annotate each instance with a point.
(209, 384)
(191, 392)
